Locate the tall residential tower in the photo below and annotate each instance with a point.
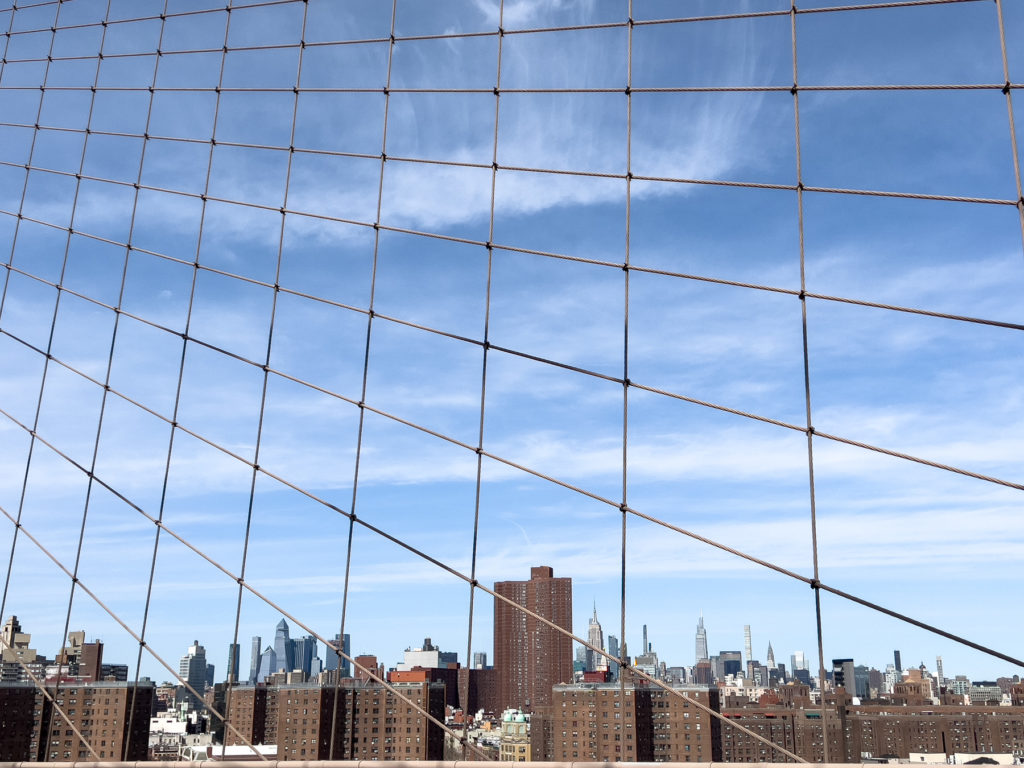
(530, 656)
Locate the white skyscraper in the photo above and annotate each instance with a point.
(595, 637)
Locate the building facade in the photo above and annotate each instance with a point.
(531, 657)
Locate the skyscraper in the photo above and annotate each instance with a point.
(748, 647)
(596, 638)
(233, 654)
(899, 662)
(254, 658)
(770, 661)
(304, 651)
(284, 648)
(192, 670)
(530, 656)
(268, 664)
(613, 650)
(331, 657)
(702, 639)
(843, 675)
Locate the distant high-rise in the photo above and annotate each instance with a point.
(770, 661)
(268, 664)
(331, 657)
(748, 647)
(304, 649)
(843, 675)
(613, 650)
(899, 662)
(233, 654)
(479, 660)
(530, 656)
(938, 671)
(596, 638)
(702, 639)
(797, 661)
(284, 648)
(192, 670)
(254, 658)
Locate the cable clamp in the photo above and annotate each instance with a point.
(794, 89)
(810, 430)
(628, 90)
(1006, 88)
(501, 31)
(486, 344)
(623, 508)
(814, 584)
(802, 295)
(626, 382)
(383, 157)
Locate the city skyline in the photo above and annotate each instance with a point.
(565, 313)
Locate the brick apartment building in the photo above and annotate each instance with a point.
(872, 731)
(112, 717)
(530, 657)
(361, 722)
(602, 722)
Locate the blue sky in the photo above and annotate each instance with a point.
(938, 546)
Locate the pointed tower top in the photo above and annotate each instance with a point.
(282, 624)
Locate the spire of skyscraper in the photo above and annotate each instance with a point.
(771, 656)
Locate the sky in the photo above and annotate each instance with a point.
(552, 299)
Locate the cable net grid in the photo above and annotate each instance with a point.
(433, 288)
